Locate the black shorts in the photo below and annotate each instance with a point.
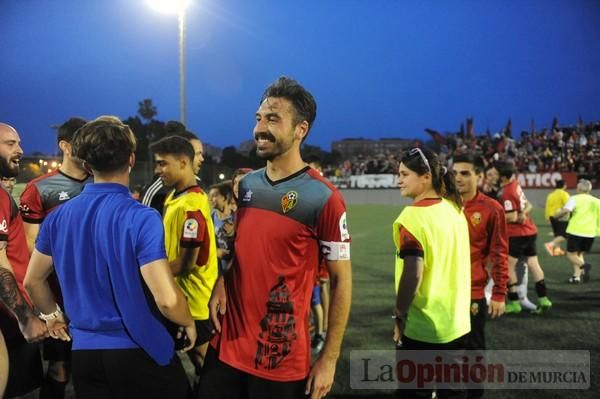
(221, 381)
(204, 330)
(57, 350)
(25, 371)
(579, 244)
(522, 246)
(559, 227)
(126, 373)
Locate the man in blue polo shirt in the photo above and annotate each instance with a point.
(108, 253)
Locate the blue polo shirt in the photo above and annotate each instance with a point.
(98, 241)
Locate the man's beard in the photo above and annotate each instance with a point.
(273, 153)
(7, 169)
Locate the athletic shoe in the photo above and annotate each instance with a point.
(574, 280)
(544, 305)
(317, 343)
(513, 307)
(585, 272)
(527, 304)
(549, 248)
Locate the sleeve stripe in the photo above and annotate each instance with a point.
(151, 192)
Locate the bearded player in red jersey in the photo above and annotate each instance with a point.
(289, 217)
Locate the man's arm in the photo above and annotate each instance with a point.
(561, 213)
(499, 259)
(32, 328)
(168, 297)
(31, 233)
(185, 261)
(323, 371)
(522, 216)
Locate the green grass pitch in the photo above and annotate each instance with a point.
(572, 323)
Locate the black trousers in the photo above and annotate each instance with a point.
(411, 344)
(126, 373)
(219, 380)
(476, 338)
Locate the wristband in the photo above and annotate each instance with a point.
(51, 316)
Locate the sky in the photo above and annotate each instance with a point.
(377, 68)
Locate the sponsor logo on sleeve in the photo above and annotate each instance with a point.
(289, 201)
(190, 228)
(4, 226)
(63, 196)
(344, 233)
(247, 196)
(508, 205)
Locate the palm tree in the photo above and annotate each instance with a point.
(147, 110)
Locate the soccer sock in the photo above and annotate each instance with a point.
(512, 296)
(540, 288)
(52, 389)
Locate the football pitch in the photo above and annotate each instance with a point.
(572, 323)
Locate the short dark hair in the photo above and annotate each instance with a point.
(225, 188)
(303, 102)
(189, 136)
(173, 145)
(560, 183)
(67, 130)
(105, 144)
(505, 169)
(473, 159)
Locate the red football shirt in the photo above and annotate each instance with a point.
(489, 242)
(513, 199)
(12, 232)
(283, 230)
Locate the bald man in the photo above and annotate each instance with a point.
(17, 321)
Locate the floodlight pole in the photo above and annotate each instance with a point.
(181, 15)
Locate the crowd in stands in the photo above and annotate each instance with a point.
(565, 149)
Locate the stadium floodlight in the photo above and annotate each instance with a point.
(170, 6)
(177, 7)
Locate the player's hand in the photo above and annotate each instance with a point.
(496, 308)
(218, 303)
(58, 328)
(221, 253)
(34, 329)
(320, 378)
(521, 217)
(398, 330)
(190, 332)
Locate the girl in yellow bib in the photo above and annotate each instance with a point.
(433, 265)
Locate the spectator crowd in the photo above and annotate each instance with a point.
(564, 149)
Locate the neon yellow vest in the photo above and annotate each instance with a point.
(585, 218)
(197, 286)
(439, 312)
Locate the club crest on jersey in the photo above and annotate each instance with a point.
(476, 218)
(289, 201)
